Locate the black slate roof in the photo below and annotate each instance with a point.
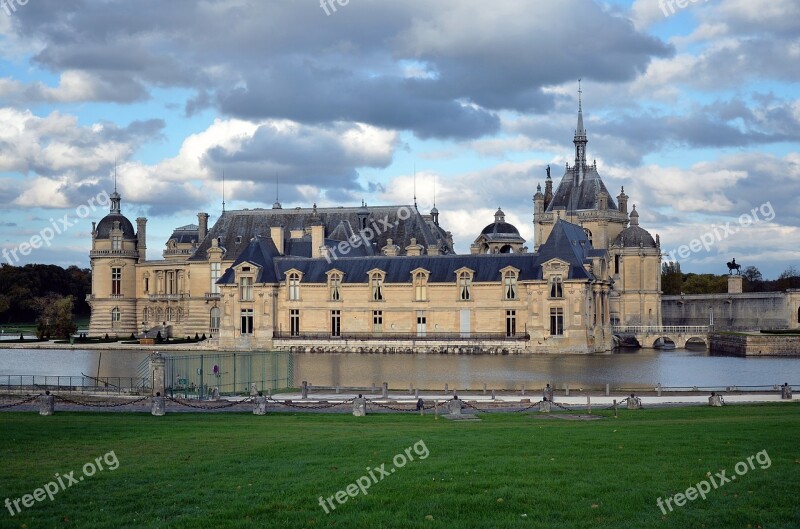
(567, 242)
(185, 234)
(107, 223)
(584, 196)
(340, 224)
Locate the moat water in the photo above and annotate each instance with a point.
(638, 369)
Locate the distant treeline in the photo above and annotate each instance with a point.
(674, 283)
(22, 288)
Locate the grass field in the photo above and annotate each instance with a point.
(233, 470)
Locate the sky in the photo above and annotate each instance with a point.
(693, 109)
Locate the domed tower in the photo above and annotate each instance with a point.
(115, 252)
(499, 237)
(636, 268)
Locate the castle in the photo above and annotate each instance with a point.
(387, 278)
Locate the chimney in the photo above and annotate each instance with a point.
(622, 199)
(413, 249)
(141, 238)
(202, 226)
(317, 240)
(390, 249)
(433, 249)
(276, 232)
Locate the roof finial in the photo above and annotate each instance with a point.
(115, 174)
(580, 93)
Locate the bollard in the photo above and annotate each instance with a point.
(416, 393)
(411, 389)
(436, 408)
(715, 400)
(455, 406)
(359, 406)
(159, 405)
(786, 391)
(588, 404)
(338, 389)
(47, 404)
(385, 390)
(269, 392)
(304, 394)
(253, 389)
(260, 406)
(545, 406)
(374, 389)
(484, 389)
(523, 390)
(157, 363)
(658, 389)
(566, 390)
(445, 389)
(608, 390)
(493, 397)
(615, 409)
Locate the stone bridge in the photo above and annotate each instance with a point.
(648, 335)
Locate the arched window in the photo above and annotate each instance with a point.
(556, 287)
(421, 286)
(179, 315)
(464, 286)
(294, 287)
(169, 314)
(376, 284)
(116, 316)
(145, 317)
(510, 285)
(588, 233)
(214, 317)
(336, 287)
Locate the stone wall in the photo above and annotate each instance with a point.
(734, 312)
(755, 344)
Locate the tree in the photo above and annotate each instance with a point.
(671, 278)
(55, 316)
(753, 280)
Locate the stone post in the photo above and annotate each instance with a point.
(157, 373)
(633, 403)
(305, 390)
(786, 391)
(359, 406)
(159, 405)
(734, 284)
(47, 404)
(455, 406)
(253, 389)
(385, 390)
(715, 400)
(260, 406)
(545, 406)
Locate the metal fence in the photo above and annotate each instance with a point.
(197, 375)
(84, 384)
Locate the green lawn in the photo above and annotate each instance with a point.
(233, 470)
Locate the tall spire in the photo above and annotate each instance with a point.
(277, 204)
(116, 199)
(580, 141)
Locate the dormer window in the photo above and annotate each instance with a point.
(246, 287)
(238, 239)
(294, 286)
(335, 287)
(465, 286)
(376, 286)
(421, 286)
(556, 287)
(510, 285)
(116, 242)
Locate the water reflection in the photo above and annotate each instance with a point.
(643, 368)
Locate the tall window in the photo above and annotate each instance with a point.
(170, 282)
(169, 313)
(116, 242)
(246, 287)
(556, 321)
(510, 285)
(511, 323)
(116, 316)
(216, 271)
(147, 284)
(464, 286)
(422, 324)
(294, 287)
(247, 321)
(116, 281)
(336, 287)
(336, 323)
(145, 317)
(214, 317)
(616, 264)
(294, 322)
(377, 322)
(421, 286)
(377, 287)
(556, 287)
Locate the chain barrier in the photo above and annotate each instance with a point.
(310, 406)
(212, 407)
(20, 403)
(96, 405)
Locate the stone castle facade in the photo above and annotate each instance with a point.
(386, 278)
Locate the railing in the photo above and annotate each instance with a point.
(387, 336)
(167, 297)
(661, 329)
(86, 384)
(213, 295)
(107, 253)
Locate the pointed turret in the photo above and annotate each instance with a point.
(580, 142)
